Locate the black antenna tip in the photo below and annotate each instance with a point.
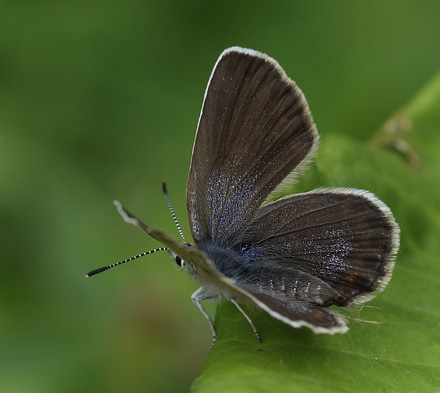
(164, 188)
(96, 271)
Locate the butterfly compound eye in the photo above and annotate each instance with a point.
(178, 260)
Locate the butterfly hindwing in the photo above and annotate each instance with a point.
(324, 247)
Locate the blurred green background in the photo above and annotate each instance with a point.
(99, 101)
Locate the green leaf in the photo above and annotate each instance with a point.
(399, 353)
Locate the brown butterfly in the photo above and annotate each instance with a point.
(294, 257)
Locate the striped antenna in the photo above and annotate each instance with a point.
(102, 269)
(165, 192)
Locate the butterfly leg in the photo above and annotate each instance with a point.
(196, 297)
(247, 317)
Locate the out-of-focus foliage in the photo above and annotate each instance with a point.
(100, 100)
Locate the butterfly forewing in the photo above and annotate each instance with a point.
(254, 129)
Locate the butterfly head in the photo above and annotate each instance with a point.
(182, 263)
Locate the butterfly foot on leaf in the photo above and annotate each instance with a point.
(248, 319)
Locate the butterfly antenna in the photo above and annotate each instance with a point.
(103, 269)
(165, 192)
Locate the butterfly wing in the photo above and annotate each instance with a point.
(254, 129)
(324, 247)
(191, 254)
(297, 315)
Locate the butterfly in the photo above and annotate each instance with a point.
(294, 257)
